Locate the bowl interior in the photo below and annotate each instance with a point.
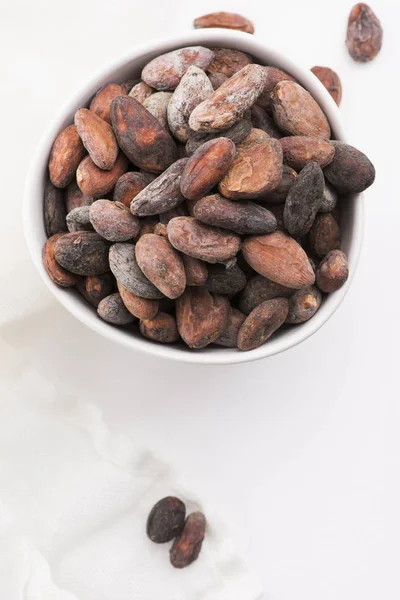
(129, 67)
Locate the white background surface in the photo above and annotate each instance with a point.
(300, 452)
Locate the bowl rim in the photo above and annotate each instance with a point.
(34, 237)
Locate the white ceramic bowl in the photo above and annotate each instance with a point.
(130, 66)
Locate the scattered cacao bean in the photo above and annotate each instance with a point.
(187, 546)
(364, 33)
(224, 20)
(330, 80)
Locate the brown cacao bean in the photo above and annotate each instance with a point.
(161, 264)
(196, 270)
(54, 210)
(259, 289)
(299, 150)
(332, 272)
(101, 103)
(74, 197)
(324, 235)
(112, 310)
(113, 221)
(161, 328)
(350, 170)
(187, 546)
(98, 138)
(128, 186)
(56, 272)
(330, 80)
(79, 220)
(166, 520)
(224, 20)
(229, 335)
(65, 156)
(364, 33)
(228, 61)
(124, 266)
(303, 305)
(201, 317)
(142, 308)
(261, 323)
(165, 72)
(162, 194)
(82, 253)
(96, 182)
(304, 199)
(225, 281)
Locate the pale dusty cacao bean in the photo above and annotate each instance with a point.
(245, 218)
(261, 120)
(225, 281)
(324, 235)
(196, 270)
(228, 61)
(56, 272)
(78, 219)
(259, 289)
(296, 111)
(303, 305)
(124, 266)
(237, 133)
(261, 323)
(101, 103)
(256, 169)
(165, 72)
(142, 308)
(229, 335)
(330, 80)
(140, 136)
(228, 103)
(128, 186)
(279, 257)
(210, 244)
(350, 170)
(161, 264)
(273, 76)
(140, 91)
(157, 105)
(224, 20)
(162, 194)
(113, 221)
(112, 310)
(194, 87)
(332, 272)
(82, 253)
(201, 317)
(364, 33)
(161, 328)
(217, 79)
(96, 182)
(299, 150)
(279, 194)
(329, 199)
(65, 156)
(304, 199)
(54, 210)
(74, 197)
(206, 167)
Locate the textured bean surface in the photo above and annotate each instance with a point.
(273, 77)
(54, 210)
(303, 305)
(113, 220)
(125, 269)
(101, 102)
(74, 197)
(229, 102)
(161, 328)
(364, 33)
(279, 194)
(261, 120)
(206, 167)
(280, 258)
(350, 170)
(324, 235)
(142, 308)
(229, 335)
(201, 316)
(296, 111)
(65, 156)
(245, 218)
(140, 136)
(128, 186)
(82, 253)
(304, 199)
(140, 91)
(187, 546)
(193, 88)
(98, 138)
(330, 79)
(224, 20)
(261, 323)
(161, 264)
(228, 61)
(166, 520)
(210, 244)
(162, 194)
(259, 289)
(157, 105)
(329, 199)
(96, 182)
(112, 310)
(79, 220)
(165, 72)
(225, 281)
(56, 272)
(299, 150)
(217, 79)
(196, 270)
(256, 169)
(98, 287)
(332, 272)
(237, 133)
